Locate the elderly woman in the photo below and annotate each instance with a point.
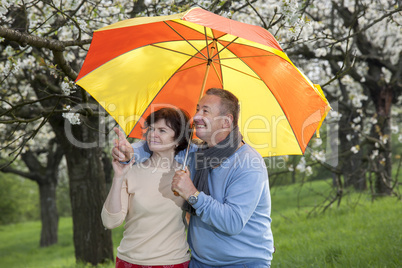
(141, 195)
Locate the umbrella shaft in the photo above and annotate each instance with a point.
(204, 82)
(188, 148)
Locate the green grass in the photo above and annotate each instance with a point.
(359, 233)
(19, 246)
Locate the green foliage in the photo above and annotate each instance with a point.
(63, 197)
(19, 199)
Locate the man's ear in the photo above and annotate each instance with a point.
(227, 122)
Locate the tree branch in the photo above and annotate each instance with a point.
(26, 39)
(18, 172)
(64, 66)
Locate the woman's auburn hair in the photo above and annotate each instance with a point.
(175, 118)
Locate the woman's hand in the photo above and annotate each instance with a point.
(120, 170)
(122, 150)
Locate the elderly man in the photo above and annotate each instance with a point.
(226, 188)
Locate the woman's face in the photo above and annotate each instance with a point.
(160, 137)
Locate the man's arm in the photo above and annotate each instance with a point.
(124, 152)
(241, 198)
(242, 194)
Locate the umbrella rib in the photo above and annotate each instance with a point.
(218, 61)
(245, 57)
(172, 50)
(184, 39)
(256, 77)
(217, 74)
(231, 42)
(190, 67)
(206, 41)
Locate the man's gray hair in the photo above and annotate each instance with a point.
(229, 103)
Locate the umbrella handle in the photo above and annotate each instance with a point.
(186, 156)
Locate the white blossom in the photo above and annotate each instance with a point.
(394, 129)
(355, 127)
(319, 156)
(291, 168)
(357, 120)
(4, 5)
(65, 87)
(374, 154)
(399, 101)
(317, 142)
(309, 171)
(301, 166)
(320, 52)
(355, 149)
(357, 99)
(73, 118)
(373, 120)
(335, 115)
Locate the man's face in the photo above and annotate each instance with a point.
(208, 121)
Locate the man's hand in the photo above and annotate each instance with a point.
(122, 150)
(182, 184)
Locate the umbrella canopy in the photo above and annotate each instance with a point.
(137, 65)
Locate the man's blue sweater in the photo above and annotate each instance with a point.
(233, 224)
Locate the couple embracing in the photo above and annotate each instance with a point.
(222, 189)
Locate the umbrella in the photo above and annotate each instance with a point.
(136, 65)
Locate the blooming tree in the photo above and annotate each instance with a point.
(358, 44)
(353, 49)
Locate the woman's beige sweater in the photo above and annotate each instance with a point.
(154, 229)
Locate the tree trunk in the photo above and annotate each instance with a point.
(92, 242)
(382, 132)
(48, 213)
(350, 162)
